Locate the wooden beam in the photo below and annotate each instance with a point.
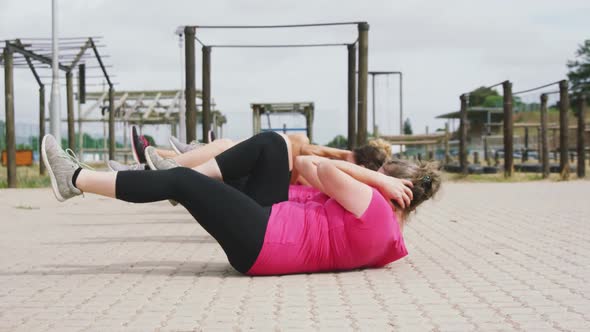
(439, 136)
(32, 55)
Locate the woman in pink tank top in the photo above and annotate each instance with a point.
(350, 218)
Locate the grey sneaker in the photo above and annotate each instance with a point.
(116, 166)
(156, 162)
(61, 166)
(180, 147)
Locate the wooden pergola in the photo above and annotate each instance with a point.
(304, 108)
(36, 54)
(140, 108)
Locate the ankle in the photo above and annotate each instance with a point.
(75, 176)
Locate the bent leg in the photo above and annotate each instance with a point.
(203, 154)
(265, 160)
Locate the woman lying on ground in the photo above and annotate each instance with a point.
(371, 155)
(348, 225)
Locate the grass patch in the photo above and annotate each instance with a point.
(499, 177)
(26, 177)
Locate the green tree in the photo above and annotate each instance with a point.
(579, 69)
(478, 96)
(339, 142)
(408, 127)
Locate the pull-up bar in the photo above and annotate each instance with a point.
(537, 88)
(356, 134)
(488, 87)
(277, 45)
(280, 26)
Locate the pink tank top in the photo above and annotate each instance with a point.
(312, 232)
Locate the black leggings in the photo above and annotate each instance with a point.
(236, 219)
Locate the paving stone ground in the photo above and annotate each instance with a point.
(483, 257)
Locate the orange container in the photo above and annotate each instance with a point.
(23, 158)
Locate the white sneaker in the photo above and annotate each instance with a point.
(116, 166)
(181, 148)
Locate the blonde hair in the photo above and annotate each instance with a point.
(383, 145)
(424, 175)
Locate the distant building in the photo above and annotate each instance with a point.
(481, 121)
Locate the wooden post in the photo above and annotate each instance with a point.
(206, 93)
(525, 154)
(351, 96)
(111, 123)
(41, 125)
(256, 126)
(476, 157)
(9, 108)
(486, 153)
(426, 146)
(508, 130)
(363, 30)
(581, 170)
(190, 87)
(564, 106)
(447, 153)
(254, 110)
(544, 138)
(70, 109)
(463, 136)
(309, 123)
(539, 151)
(555, 142)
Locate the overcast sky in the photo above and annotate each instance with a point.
(443, 48)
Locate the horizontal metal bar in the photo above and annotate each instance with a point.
(65, 38)
(277, 45)
(384, 72)
(273, 26)
(537, 88)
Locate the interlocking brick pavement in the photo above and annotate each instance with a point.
(483, 257)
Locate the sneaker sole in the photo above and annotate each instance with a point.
(135, 156)
(173, 147)
(50, 171)
(148, 159)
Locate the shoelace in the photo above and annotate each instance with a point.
(71, 156)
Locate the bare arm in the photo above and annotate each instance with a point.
(327, 152)
(350, 185)
(306, 166)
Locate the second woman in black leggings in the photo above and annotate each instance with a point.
(236, 219)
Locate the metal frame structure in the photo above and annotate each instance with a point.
(36, 54)
(355, 99)
(304, 108)
(153, 107)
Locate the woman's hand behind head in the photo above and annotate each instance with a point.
(397, 190)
